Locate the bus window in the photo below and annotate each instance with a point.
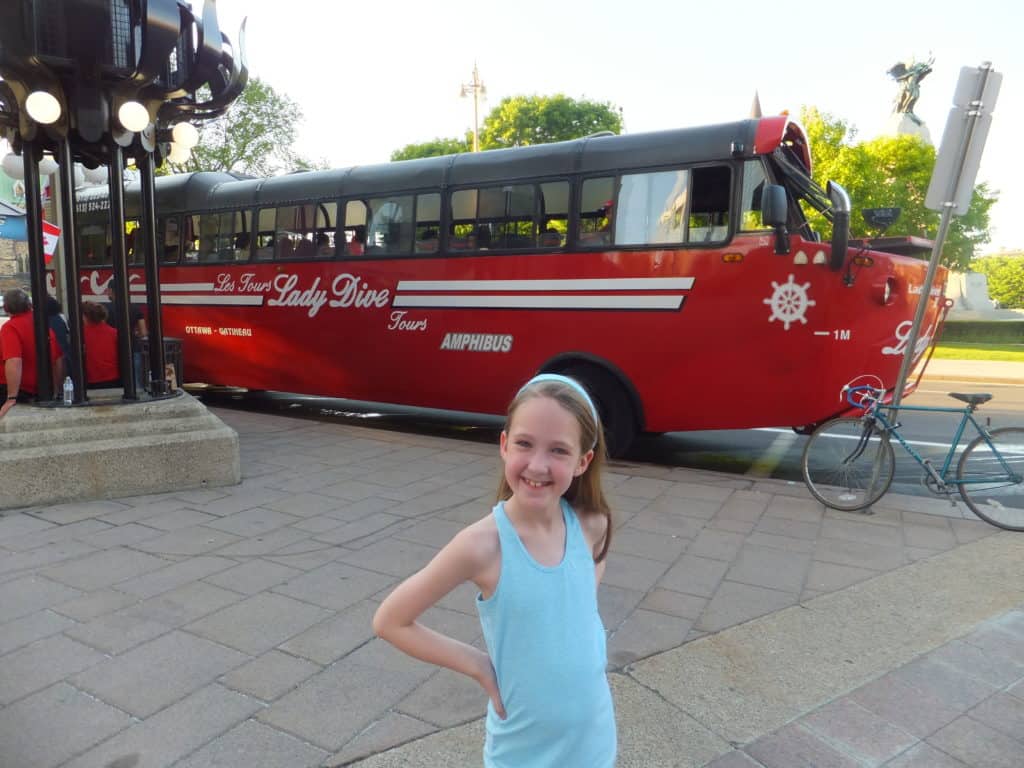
(554, 210)
(389, 232)
(428, 222)
(209, 233)
(754, 181)
(133, 242)
(265, 234)
(596, 199)
(355, 228)
(709, 208)
(494, 217)
(514, 226)
(94, 239)
(191, 238)
(294, 227)
(651, 208)
(326, 220)
(233, 242)
(167, 231)
(463, 224)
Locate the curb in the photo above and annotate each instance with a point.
(974, 378)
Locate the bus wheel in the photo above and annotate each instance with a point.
(613, 405)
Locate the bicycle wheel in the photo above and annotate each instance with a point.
(848, 464)
(991, 484)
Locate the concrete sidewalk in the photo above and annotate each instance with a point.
(748, 626)
(993, 371)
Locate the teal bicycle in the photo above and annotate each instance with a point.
(848, 462)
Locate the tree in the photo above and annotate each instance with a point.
(255, 136)
(1005, 275)
(521, 120)
(892, 171)
(432, 149)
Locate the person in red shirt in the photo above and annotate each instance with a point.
(18, 352)
(102, 365)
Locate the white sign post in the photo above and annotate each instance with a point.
(952, 184)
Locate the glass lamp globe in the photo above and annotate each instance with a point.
(43, 107)
(133, 116)
(178, 153)
(13, 166)
(185, 134)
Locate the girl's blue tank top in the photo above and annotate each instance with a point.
(547, 644)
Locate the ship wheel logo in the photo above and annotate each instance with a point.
(789, 302)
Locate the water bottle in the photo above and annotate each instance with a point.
(69, 390)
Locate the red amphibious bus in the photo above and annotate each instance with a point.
(674, 273)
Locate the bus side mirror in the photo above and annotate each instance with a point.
(840, 224)
(774, 213)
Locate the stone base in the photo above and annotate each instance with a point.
(903, 124)
(57, 454)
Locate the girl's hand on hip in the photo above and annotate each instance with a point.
(489, 682)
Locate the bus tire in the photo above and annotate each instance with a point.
(613, 405)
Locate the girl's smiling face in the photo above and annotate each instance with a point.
(542, 453)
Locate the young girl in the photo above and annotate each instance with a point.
(537, 560)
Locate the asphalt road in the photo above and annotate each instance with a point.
(777, 452)
(758, 452)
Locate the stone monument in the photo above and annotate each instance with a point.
(908, 75)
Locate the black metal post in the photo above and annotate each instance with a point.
(37, 272)
(147, 174)
(122, 296)
(73, 287)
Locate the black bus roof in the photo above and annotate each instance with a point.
(591, 155)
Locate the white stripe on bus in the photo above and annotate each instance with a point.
(597, 284)
(176, 287)
(251, 301)
(540, 302)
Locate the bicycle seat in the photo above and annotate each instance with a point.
(970, 399)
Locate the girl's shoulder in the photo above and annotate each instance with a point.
(479, 541)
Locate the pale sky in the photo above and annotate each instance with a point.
(373, 77)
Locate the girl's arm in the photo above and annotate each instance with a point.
(461, 560)
(596, 528)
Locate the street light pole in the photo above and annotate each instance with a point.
(95, 103)
(478, 89)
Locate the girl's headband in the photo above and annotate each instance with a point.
(542, 377)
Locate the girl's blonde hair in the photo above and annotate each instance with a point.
(585, 493)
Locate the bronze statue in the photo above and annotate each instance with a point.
(909, 76)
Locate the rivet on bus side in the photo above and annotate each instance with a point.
(819, 257)
(732, 258)
(800, 258)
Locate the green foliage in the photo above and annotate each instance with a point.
(433, 148)
(522, 120)
(1012, 353)
(1005, 278)
(983, 332)
(255, 136)
(891, 171)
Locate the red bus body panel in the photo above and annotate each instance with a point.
(734, 337)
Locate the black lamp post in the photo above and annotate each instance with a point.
(96, 81)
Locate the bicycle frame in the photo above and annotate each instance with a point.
(942, 475)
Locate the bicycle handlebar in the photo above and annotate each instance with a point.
(868, 396)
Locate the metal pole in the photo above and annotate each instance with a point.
(476, 118)
(947, 214)
(147, 172)
(122, 296)
(72, 285)
(37, 272)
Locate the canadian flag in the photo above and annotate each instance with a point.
(51, 235)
